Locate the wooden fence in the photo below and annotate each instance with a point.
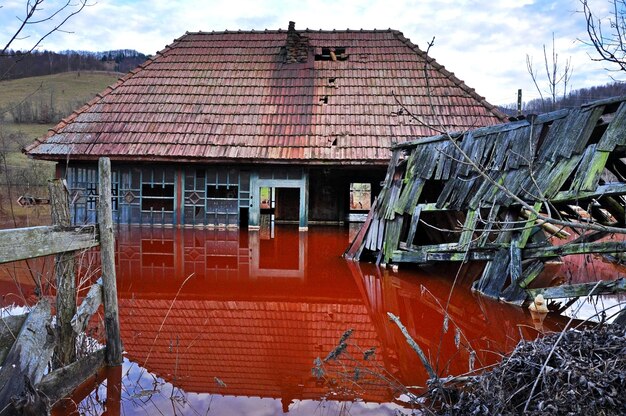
(25, 388)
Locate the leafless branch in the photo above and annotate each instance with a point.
(33, 16)
(610, 45)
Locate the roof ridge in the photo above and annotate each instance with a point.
(280, 30)
(450, 75)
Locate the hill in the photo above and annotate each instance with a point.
(573, 99)
(16, 64)
(28, 108)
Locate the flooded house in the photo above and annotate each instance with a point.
(220, 127)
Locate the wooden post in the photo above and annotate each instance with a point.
(64, 270)
(114, 392)
(107, 254)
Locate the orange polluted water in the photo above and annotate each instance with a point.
(231, 322)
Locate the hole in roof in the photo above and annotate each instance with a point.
(332, 54)
(324, 99)
(334, 143)
(331, 81)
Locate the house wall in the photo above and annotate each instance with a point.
(215, 195)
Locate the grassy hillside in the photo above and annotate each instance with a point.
(59, 93)
(39, 103)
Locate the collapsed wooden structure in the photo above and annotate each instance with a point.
(30, 344)
(503, 195)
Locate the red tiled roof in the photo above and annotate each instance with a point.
(231, 96)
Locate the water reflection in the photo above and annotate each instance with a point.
(229, 322)
(224, 322)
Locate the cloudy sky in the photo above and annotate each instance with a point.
(484, 42)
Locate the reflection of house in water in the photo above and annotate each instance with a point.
(199, 304)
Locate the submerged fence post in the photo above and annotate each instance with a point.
(64, 270)
(107, 255)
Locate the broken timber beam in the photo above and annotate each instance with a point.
(87, 308)
(445, 252)
(27, 360)
(61, 382)
(27, 243)
(9, 328)
(583, 289)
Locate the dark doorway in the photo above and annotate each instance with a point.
(287, 205)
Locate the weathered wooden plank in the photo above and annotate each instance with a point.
(427, 162)
(354, 250)
(583, 130)
(61, 382)
(28, 359)
(65, 273)
(582, 289)
(529, 225)
(605, 101)
(486, 192)
(556, 136)
(415, 218)
(371, 238)
(531, 272)
(494, 275)
(594, 172)
(491, 218)
(500, 128)
(443, 155)
(464, 189)
(459, 256)
(405, 194)
(107, 255)
(381, 235)
(614, 134)
(27, 243)
(589, 170)
(421, 256)
(9, 328)
(609, 189)
(615, 207)
(392, 199)
(426, 140)
(548, 117)
(515, 293)
(468, 229)
(87, 308)
(416, 192)
(568, 249)
(515, 254)
(392, 237)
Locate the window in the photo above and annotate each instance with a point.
(157, 197)
(360, 196)
(222, 191)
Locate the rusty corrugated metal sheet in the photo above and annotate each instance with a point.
(230, 96)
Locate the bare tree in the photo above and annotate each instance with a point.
(557, 78)
(40, 19)
(606, 34)
(37, 14)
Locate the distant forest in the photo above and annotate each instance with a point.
(573, 99)
(16, 64)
